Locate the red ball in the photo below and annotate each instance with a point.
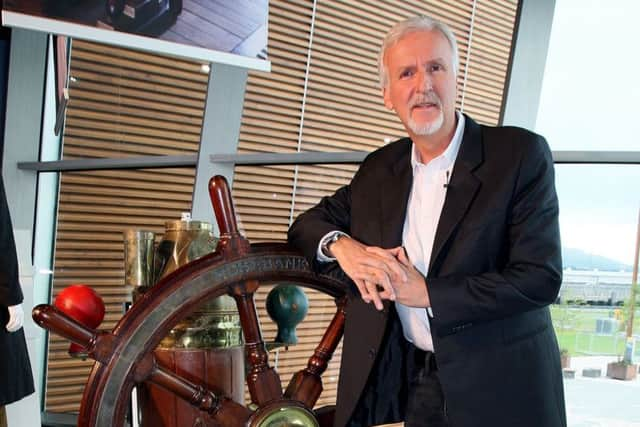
(82, 304)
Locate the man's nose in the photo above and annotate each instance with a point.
(424, 82)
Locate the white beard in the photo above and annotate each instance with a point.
(426, 129)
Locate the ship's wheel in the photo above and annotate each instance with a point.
(125, 357)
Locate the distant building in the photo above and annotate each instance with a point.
(595, 287)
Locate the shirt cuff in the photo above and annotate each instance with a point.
(320, 256)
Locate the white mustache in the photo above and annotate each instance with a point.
(426, 98)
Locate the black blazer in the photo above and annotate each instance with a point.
(495, 267)
(15, 370)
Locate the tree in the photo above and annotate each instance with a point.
(629, 348)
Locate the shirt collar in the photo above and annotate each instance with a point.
(451, 152)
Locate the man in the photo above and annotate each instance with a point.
(451, 239)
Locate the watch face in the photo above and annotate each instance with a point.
(325, 247)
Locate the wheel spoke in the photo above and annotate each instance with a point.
(263, 381)
(223, 410)
(231, 243)
(99, 344)
(306, 385)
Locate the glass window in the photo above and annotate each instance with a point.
(599, 213)
(590, 95)
(586, 105)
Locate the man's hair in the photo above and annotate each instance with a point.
(411, 25)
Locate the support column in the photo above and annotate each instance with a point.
(528, 63)
(220, 132)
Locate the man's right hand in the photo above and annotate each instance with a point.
(371, 273)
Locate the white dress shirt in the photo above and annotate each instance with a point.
(421, 222)
(424, 207)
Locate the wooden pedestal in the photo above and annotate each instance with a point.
(220, 369)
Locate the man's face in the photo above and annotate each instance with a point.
(421, 83)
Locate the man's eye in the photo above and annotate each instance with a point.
(406, 73)
(435, 67)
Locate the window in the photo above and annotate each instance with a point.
(588, 110)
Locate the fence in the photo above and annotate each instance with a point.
(593, 331)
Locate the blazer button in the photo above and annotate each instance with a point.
(372, 353)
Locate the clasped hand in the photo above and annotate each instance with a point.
(381, 274)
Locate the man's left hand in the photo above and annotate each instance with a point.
(413, 292)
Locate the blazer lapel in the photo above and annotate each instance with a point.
(462, 189)
(394, 196)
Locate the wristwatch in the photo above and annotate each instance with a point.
(337, 235)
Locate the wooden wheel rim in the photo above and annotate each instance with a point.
(149, 320)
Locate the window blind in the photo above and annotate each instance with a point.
(121, 103)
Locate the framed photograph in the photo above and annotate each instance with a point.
(226, 31)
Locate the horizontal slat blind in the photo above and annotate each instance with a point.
(122, 103)
(489, 55)
(332, 120)
(94, 209)
(342, 109)
(263, 195)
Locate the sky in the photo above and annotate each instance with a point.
(590, 100)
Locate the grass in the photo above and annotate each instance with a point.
(576, 330)
(581, 344)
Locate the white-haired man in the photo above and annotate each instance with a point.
(451, 239)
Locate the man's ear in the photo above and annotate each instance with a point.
(387, 98)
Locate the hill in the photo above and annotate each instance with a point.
(581, 260)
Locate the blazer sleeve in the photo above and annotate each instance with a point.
(10, 291)
(532, 272)
(330, 214)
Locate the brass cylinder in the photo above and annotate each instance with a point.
(205, 347)
(183, 242)
(138, 261)
(216, 323)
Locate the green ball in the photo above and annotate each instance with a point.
(287, 305)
